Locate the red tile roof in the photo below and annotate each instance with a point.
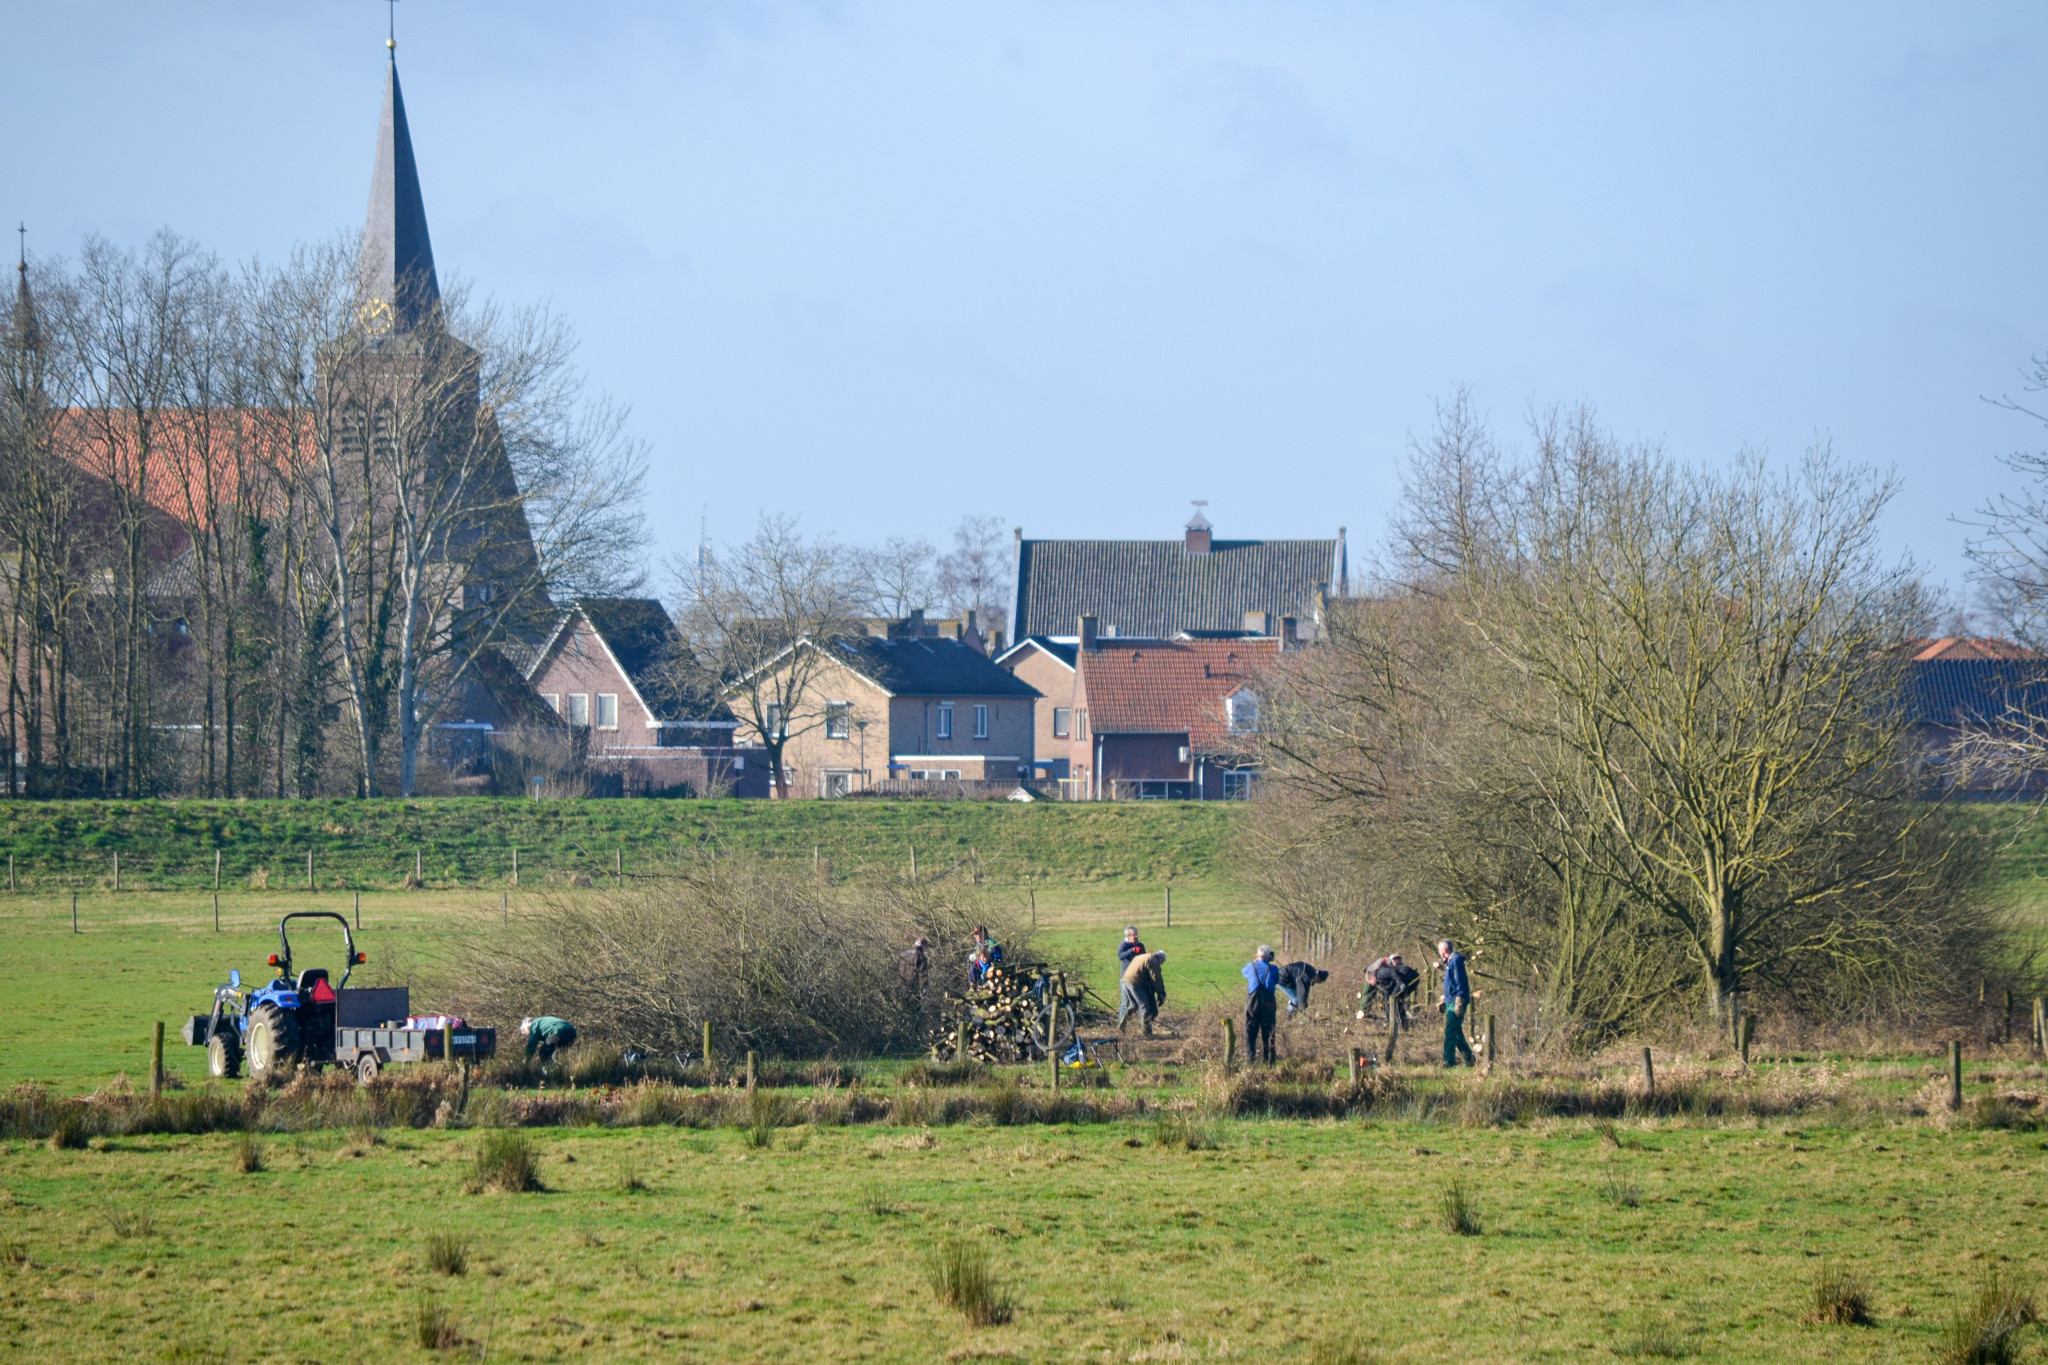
(1171, 686)
(1968, 647)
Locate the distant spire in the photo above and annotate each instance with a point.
(398, 257)
(27, 326)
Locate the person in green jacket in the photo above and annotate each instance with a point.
(546, 1035)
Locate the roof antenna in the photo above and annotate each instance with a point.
(391, 39)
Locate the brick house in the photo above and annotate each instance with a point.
(1151, 719)
(604, 671)
(1047, 663)
(911, 708)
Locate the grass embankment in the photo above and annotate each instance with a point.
(1658, 1239)
(468, 841)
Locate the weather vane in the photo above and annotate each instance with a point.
(391, 39)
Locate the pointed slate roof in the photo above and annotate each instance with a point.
(398, 258)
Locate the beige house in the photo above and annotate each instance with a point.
(907, 711)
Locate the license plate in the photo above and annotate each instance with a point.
(469, 1038)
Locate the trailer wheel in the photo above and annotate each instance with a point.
(223, 1057)
(367, 1067)
(272, 1050)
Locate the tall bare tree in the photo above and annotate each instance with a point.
(754, 615)
(975, 574)
(899, 576)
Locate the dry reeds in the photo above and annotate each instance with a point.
(1840, 1298)
(508, 1162)
(1988, 1329)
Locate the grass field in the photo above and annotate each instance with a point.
(469, 841)
(1688, 1236)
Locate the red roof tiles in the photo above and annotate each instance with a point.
(1171, 686)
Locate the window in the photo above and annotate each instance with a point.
(1062, 721)
(980, 721)
(838, 719)
(1237, 784)
(935, 774)
(554, 701)
(607, 710)
(579, 708)
(1243, 710)
(945, 720)
(774, 721)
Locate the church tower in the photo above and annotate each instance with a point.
(397, 260)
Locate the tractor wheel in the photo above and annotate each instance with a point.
(367, 1067)
(272, 1047)
(223, 1057)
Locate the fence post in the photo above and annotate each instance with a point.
(913, 862)
(447, 1043)
(309, 869)
(74, 912)
(515, 865)
(156, 1063)
(2040, 1025)
(419, 872)
(2005, 1034)
(1034, 909)
(117, 869)
(1748, 1032)
(1489, 1045)
(619, 868)
(1955, 1075)
(505, 908)
(216, 872)
(1351, 1071)
(359, 910)
(1649, 1074)
(750, 1070)
(1229, 1044)
(216, 912)
(1169, 907)
(10, 872)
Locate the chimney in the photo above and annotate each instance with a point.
(1088, 632)
(1287, 637)
(995, 643)
(1258, 623)
(1199, 530)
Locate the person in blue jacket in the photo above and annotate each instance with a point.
(1457, 1000)
(1261, 979)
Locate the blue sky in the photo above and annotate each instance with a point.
(882, 265)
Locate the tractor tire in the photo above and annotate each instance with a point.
(273, 1044)
(367, 1067)
(223, 1057)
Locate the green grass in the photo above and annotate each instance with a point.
(468, 841)
(147, 1247)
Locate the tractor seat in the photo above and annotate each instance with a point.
(313, 984)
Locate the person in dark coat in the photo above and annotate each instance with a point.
(1131, 947)
(1295, 980)
(1457, 1001)
(1394, 981)
(546, 1036)
(1261, 979)
(914, 964)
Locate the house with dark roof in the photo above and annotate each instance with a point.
(609, 672)
(1196, 585)
(909, 710)
(1173, 720)
(1960, 690)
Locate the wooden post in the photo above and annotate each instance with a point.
(1352, 1069)
(2005, 1035)
(156, 1063)
(10, 872)
(1489, 1045)
(359, 910)
(447, 1043)
(619, 867)
(117, 869)
(505, 908)
(2040, 1025)
(1649, 1074)
(74, 912)
(1169, 907)
(419, 873)
(750, 1070)
(1393, 1032)
(1034, 909)
(309, 869)
(1229, 1044)
(515, 866)
(1748, 1032)
(216, 912)
(1955, 1075)
(216, 872)
(814, 860)
(913, 862)
(707, 1052)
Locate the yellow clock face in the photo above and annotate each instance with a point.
(376, 316)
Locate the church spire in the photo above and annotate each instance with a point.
(29, 327)
(398, 259)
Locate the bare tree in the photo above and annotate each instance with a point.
(755, 616)
(975, 574)
(898, 577)
(2009, 553)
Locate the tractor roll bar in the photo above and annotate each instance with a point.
(348, 937)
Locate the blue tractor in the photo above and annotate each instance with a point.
(305, 1018)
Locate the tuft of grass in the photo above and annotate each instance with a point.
(69, 1134)
(764, 1112)
(1180, 1130)
(508, 1161)
(434, 1326)
(187, 1354)
(963, 1278)
(631, 1181)
(1620, 1191)
(1333, 1352)
(14, 1252)
(131, 1223)
(1456, 1211)
(1987, 1330)
(1840, 1298)
(246, 1156)
(1657, 1341)
(447, 1253)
